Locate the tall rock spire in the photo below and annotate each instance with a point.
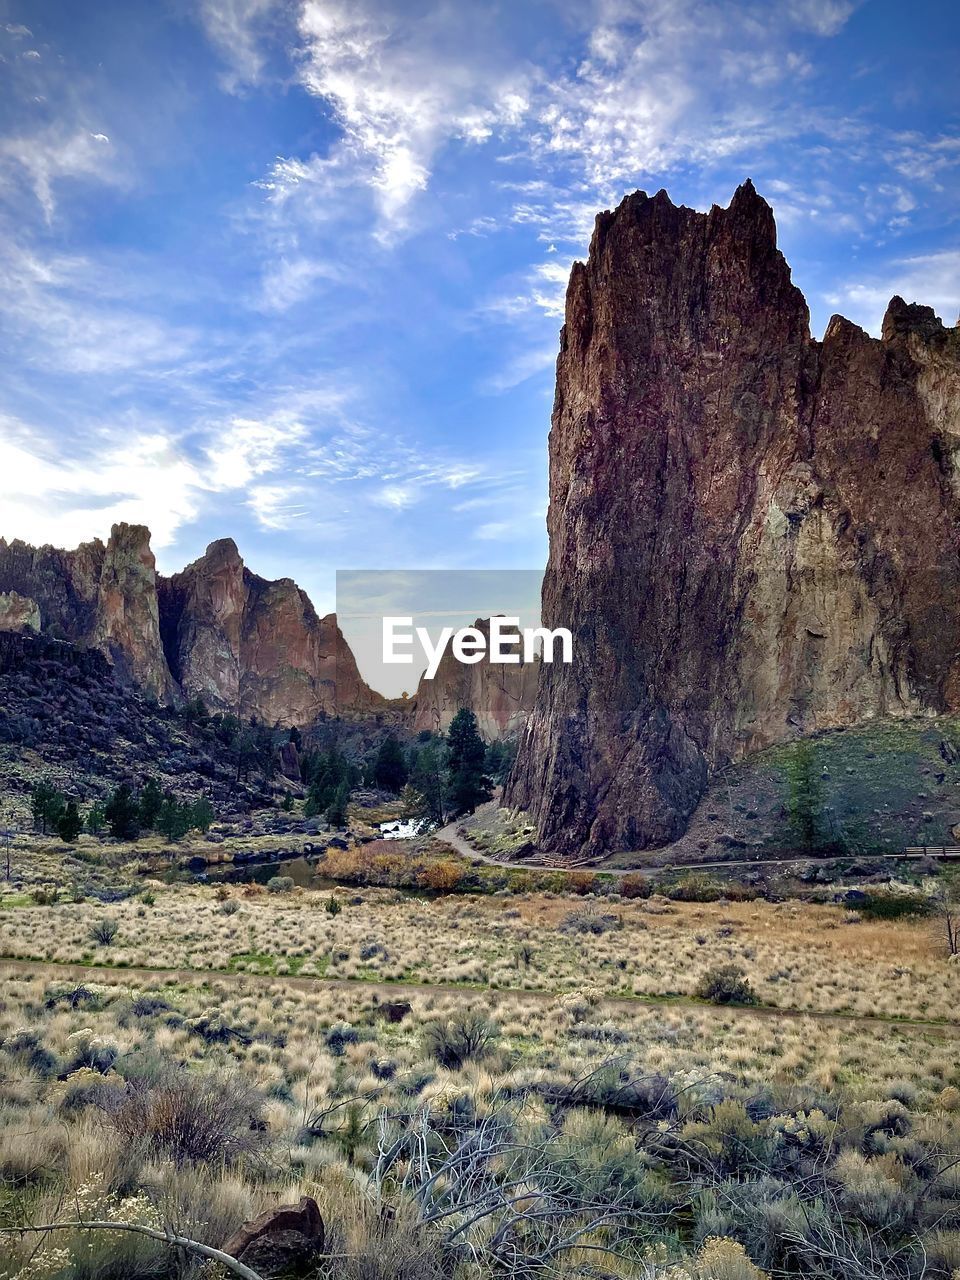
(752, 535)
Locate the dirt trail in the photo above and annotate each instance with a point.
(450, 836)
(391, 990)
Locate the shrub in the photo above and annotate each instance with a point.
(333, 906)
(726, 984)
(457, 1040)
(595, 922)
(280, 884)
(443, 876)
(894, 906)
(229, 907)
(211, 1118)
(339, 1036)
(104, 931)
(635, 885)
(581, 882)
(696, 888)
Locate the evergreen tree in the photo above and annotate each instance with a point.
(469, 784)
(201, 814)
(96, 819)
(391, 768)
(149, 804)
(46, 805)
(121, 813)
(336, 813)
(70, 824)
(325, 775)
(174, 819)
(804, 802)
(428, 776)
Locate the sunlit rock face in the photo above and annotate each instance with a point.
(255, 647)
(99, 595)
(753, 535)
(18, 613)
(214, 631)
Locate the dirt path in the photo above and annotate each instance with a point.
(392, 990)
(449, 836)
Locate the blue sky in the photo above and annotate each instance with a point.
(293, 271)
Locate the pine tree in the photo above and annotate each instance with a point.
(428, 775)
(46, 805)
(174, 818)
(96, 819)
(469, 785)
(70, 824)
(151, 799)
(122, 813)
(391, 768)
(336, 813)
(201, 814)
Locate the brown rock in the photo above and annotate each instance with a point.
(215, 630)
(97, 596)
(280, 1241)
(753, 535)
(501, 696)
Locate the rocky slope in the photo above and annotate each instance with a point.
(501, 696)
(753, 535)
(215, 630)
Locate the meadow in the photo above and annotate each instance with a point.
(520, 1084)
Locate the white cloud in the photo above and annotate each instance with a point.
(823, 17)
(519, 368)
(291, 280)
(138, 476)
(47, 158)
(276, 506)
(73, 315)
(236, 28)
(399, 90)
(932, 279)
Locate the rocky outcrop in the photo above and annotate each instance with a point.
(215, 630)
(501, 696)
(100, 596)
(18, 613)
(753, 535)
(254, 647)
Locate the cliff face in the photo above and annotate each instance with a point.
(102, 597)
(501, 697)
(215, 630)
(753, 535)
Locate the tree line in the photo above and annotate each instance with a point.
(125, 814)
(439, 776)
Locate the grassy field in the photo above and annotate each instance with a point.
(529, 1084)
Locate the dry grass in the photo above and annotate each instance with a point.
(796, 956)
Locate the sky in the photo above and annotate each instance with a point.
(292, 271)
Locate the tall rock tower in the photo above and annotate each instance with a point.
(753, 535)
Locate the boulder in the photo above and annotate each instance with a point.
(280, 1241)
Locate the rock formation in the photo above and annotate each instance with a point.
(100, 596)
(215, 630)
(501, 696)
(256, 647)
(753, 535)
